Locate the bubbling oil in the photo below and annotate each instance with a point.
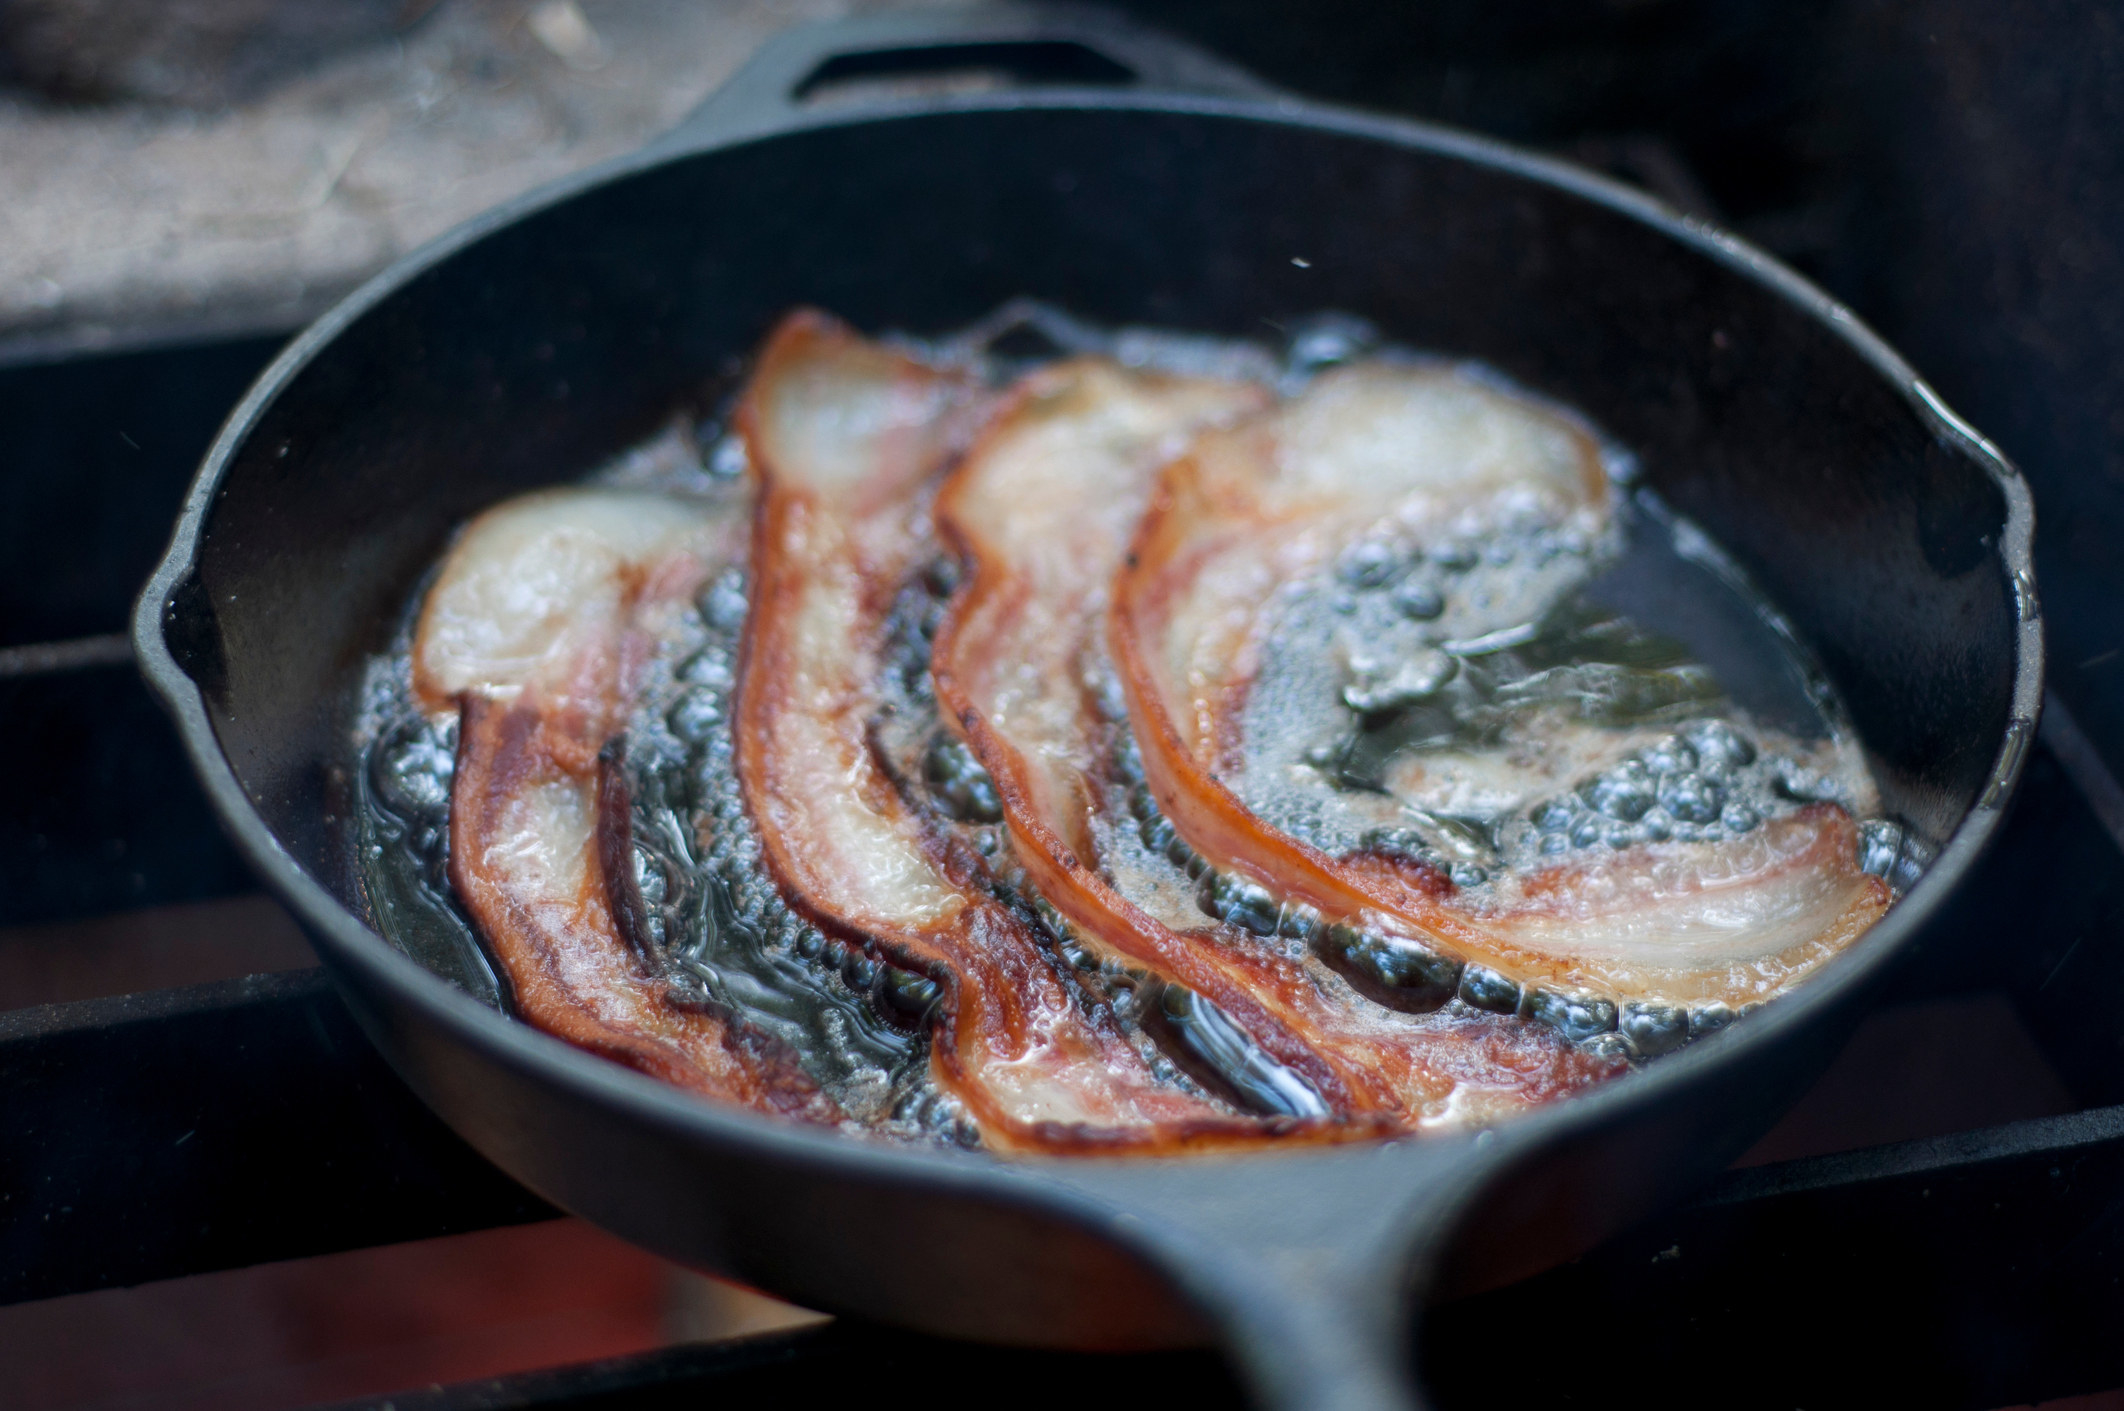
(1484, 704)
(1478, 705)
(723, 933)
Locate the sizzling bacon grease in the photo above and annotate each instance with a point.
(1409, 459)
(847, 441)
(1041, 510)
(537, 631)
(1145, 915)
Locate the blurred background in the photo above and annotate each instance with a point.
(184, 183)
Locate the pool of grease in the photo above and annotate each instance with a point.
(1482, 704)
(721, 927)
(1630, 682)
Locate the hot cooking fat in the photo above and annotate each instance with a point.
(1134, 754)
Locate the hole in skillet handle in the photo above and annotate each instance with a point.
(938, 53)
(960, 66)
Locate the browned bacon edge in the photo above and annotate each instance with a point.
(1210, 816)
(628, 1015)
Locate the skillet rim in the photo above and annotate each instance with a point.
(1033, 1180)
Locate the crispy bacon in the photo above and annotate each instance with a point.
(1415, 453)
(1041, 510)
(536, 631)
(847, 440)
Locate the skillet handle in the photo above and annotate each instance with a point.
(1052, 46)
(1308, 1266)
(1303, 1342)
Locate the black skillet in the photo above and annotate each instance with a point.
(1129, 180)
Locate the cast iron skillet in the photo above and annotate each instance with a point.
(1151, 185)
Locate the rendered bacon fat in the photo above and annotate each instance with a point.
(1405, 457)
(847, 440)
(537, 631)
(1131, 759)
(1042, 509)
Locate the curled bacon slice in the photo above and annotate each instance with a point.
(1390, 451)
(537, 631)
(847, 440)
(1689, 923)
(1041, 509)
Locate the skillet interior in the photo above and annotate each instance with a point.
(534, 352)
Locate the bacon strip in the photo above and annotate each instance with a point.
(847, 440)
(1412, 453)
(1041, 510)
(1733, 922)
(537, 631)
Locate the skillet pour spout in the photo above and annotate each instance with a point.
(1128, 180)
